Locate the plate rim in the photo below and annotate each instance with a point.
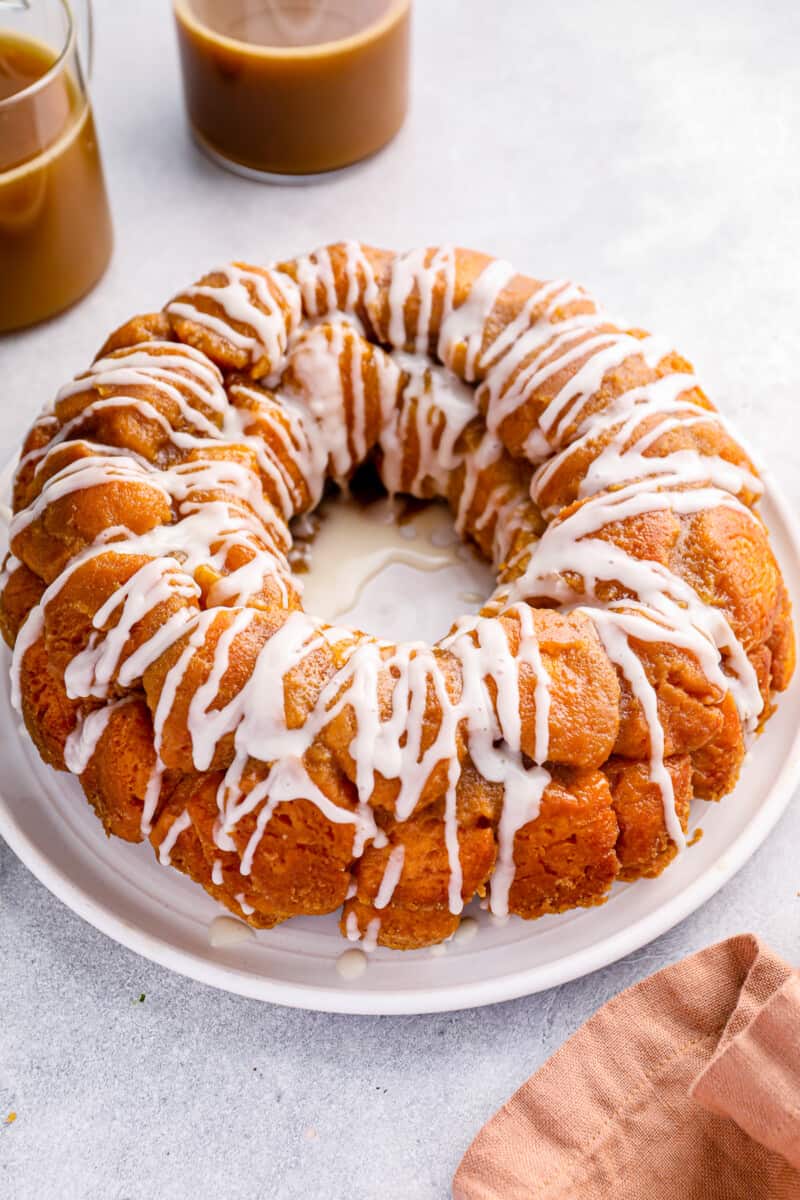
(457, 996)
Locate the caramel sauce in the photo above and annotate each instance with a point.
(259, 95)
(55, 227)
(21, 64)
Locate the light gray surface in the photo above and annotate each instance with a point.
(653, 155)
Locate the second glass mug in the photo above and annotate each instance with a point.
(55, 225)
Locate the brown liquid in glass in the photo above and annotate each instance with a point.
(259, 94)
(55, 227)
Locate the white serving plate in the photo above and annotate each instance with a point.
(154, 910)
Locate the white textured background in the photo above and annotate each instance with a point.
(653, 153)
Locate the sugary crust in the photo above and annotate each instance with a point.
(639, 628)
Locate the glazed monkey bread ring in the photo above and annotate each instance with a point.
(539, 751)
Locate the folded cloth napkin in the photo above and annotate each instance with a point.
(684, 1087)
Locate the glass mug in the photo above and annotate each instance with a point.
(281, 88)
(55, 225)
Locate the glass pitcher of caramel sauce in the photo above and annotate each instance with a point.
(55, 226)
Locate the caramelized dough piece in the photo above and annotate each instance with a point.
(153, 398)
(351, 402)
(358, 274)
(194, 655)
(20, 591)
(583, 722)
(566, 858)
(49, 714)
(76, 506)
(240, 317)
(118, 774)
(276, 426)
(146, 327)
(417, 911)
(716, 764)
(301, 863)
(781, 642)
(107, 581)
(579, 471)
(644, 847)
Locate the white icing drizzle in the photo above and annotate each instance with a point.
(391, 877)
(434, 410)
(468, 929)
(351, 964)
(367, 289)
(614, 637)
(151, 797)
(489, 655)
(411, 275)
(314, 269)
(11, 565)
(84, 473)
(664, 607)
(227, 931)
(245, 460)
(370, 938)
(175, 830)
(171, 369)
(465, 325)
(623, 458)
(316, 366)
(29, 634)
(83, 740)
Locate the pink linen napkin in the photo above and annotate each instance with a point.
(684, 1087)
